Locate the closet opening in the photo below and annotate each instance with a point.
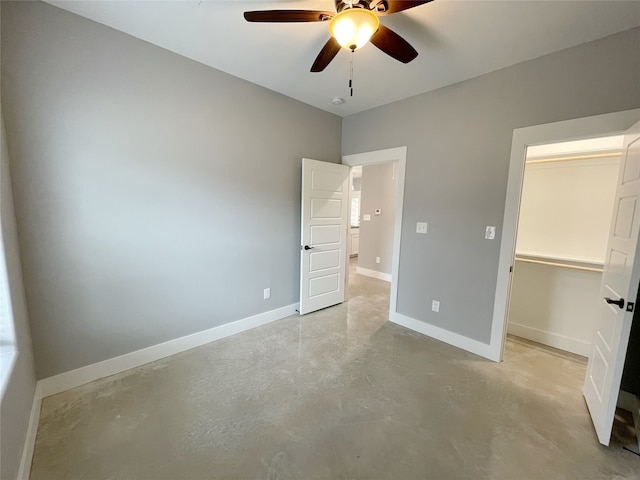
(557, 248)
(566, 212)
(566, 209)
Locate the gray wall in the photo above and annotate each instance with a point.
(156, 197)
(18, 396)
(459, 143)
(376, 236)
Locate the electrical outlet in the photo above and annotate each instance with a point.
(490, 232)
(421, 227)
(366, 217)
(435, 305)
(267, 293)
(377, 259)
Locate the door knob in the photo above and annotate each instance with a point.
(307, 247)
(619, 302)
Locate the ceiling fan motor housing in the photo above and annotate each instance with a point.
(376, 5)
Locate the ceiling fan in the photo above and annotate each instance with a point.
(354, 24)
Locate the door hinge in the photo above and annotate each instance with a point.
(630, 306)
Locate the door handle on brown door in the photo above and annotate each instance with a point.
(619, 302)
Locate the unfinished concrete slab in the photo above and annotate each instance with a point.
(340, 393)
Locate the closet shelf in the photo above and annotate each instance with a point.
(552, 257)
(569, 158)
(588, 265)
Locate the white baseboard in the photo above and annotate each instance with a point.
(372, 273)
(457, 340)
(80, 376)
(555, 340)
(24, 472)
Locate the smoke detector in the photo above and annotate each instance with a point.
(337, 100)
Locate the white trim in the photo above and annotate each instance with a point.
(24, 472)
(399, 155)
(373, 274)
(555, 340)
(597, 126)
(460, 341)
(80, 376)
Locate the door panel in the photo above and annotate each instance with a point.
(325, 234)
(325, 208)
(327, 181)
(323, 260)
(324, 285)
(619, 281)
(624, 213)
(631, 169)
(325, 196)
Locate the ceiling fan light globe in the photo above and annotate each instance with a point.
(352, 28)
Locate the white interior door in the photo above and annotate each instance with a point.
(618, 290)
(323, 249)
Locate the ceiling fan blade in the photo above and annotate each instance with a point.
(328, 52)
(395, 6)
(393, 45)
(287, 16)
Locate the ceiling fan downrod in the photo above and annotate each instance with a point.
(351, 74)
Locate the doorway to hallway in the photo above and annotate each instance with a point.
(380, 218)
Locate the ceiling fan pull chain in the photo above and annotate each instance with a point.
(351, 74)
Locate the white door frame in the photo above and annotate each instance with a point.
(399, 155)
(577, 129)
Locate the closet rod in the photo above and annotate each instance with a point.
(576, 157)
(563, 265)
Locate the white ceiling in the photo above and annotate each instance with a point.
(456, 40)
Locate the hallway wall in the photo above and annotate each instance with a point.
(376, 235)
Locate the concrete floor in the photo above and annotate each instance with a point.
(340, 393)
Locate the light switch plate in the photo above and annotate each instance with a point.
(366, 217)
(421, 227)
(490, 233)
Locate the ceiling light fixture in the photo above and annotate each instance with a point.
(353, 27)
(337, 100)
